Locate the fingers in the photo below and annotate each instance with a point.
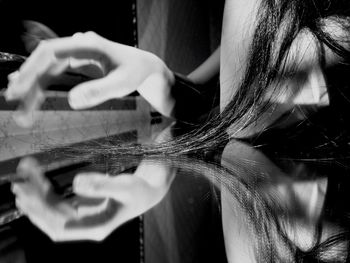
(34, 184)
(96, 226)
(27, 170)
(33, 71)
(88, 206)
(121, 188)
(53, 57)
(87, 45)
(29, 167)
(25, 116)
(94, 92)
(50, 58)
(35, 199)
(93, 185)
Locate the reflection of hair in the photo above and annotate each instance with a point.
(279, 22)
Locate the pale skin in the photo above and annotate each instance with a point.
(126, 69)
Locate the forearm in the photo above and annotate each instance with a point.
(156, 89)
(207, 70)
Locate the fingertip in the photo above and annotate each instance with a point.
(90, 184)
(14, 188)
(8, 95)
(28, 166)
(13, 76)
(76, 99)
(72, 101)
(28, 162)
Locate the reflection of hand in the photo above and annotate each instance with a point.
(125, 196)
(35, 198)
(126, 69)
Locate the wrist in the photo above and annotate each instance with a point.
(156, 88)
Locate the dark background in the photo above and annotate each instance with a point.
(66, 18)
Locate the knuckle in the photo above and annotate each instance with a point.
(92, 38)
(91, 33)
(78, 34)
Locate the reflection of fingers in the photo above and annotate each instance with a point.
(87, 210)
(29, 167)
(77, 201)
(95, 227)
(121, 188)
(94, 92)
(92, 185)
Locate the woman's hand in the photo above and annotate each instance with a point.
(102, 204)
(125, 69)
